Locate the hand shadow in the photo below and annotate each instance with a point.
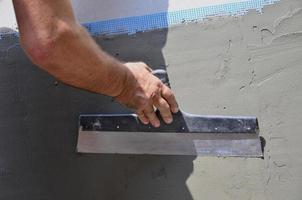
(38, 120)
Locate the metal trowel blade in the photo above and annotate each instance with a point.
(187, 135)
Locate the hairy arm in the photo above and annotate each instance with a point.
(53, 40)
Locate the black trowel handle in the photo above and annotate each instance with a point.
(182, 122)
(162, 75)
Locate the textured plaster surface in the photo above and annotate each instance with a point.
(247, 65)
(95, 10)
(250, 65)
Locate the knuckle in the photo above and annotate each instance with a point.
(151, 117)
(165, 113)
(170, 95)
(158, 84)
(141, 102)
(166, 116)
(142, 64)
(164, 105)
(139, 112)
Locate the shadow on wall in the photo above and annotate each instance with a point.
(38, 121)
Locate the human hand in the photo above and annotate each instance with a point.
(144, 92)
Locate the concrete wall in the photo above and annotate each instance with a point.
(7, 15)
(87, 11)
(132, 16)
(96, 10)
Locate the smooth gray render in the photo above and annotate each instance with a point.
(239, 65)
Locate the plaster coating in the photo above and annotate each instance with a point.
(244, 65)
(249, 65)
(89, 11)
(95, 10)
(132, 16)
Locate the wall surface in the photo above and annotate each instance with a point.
(236, 65)
(88, 11)
(103, 10)
(7, 15)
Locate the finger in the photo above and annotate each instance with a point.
(164, 109)
(150, 114)
(142, 117)
(146, 66)
(168, 95)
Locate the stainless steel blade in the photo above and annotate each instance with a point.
(187, 135)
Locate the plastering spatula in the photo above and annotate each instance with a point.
(187, 135)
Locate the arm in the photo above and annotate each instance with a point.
(55, 42)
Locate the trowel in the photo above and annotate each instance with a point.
(188, 134)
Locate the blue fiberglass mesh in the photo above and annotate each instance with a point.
(135, 24)
(130, 25)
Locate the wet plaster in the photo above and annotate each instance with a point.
(248, 65)
(244, 65)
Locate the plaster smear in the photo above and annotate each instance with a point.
(244, 65)
(249, 65)
(88, 11)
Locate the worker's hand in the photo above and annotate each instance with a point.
(144, 92)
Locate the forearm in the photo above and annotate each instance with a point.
(54, 41)
(58, 44)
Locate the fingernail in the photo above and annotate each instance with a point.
(169, 120)
(156, 124)
(145, 122)
(175, 110)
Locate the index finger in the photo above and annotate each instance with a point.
(168, 95)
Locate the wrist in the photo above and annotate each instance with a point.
(117, 79)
